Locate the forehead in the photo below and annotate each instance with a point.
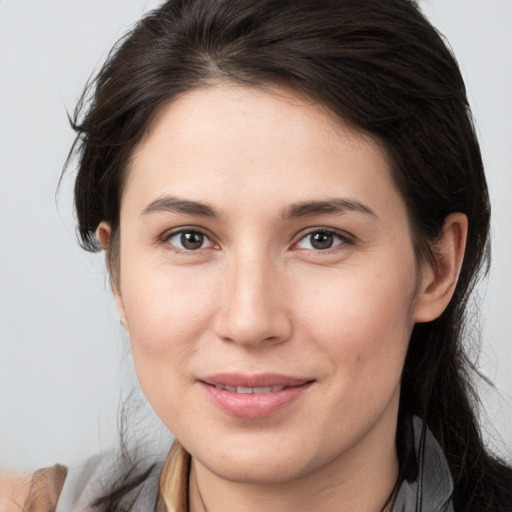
(236, 144)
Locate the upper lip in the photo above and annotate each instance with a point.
(254, 381)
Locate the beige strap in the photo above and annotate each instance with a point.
(45, 489)
(173, 495)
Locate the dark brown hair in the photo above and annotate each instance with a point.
(376, 64)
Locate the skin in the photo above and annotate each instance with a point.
(258, 297)
(14, 489)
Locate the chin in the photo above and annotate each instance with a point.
(257, 472)
(260, 463)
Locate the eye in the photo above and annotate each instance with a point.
(189, 240)
(321, 240)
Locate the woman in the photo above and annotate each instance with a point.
(293, 209)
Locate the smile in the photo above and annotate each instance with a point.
(253, 397)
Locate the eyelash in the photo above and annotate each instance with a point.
(341, 236)
(182, 231)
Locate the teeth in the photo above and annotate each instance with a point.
(246, 390)
(263, 390)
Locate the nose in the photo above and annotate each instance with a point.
(253, 310)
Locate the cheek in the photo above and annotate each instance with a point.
(167, 315)
(363, 321)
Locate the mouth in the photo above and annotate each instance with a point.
(255, 396)
(243, 390)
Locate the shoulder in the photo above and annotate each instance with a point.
(53, 488)
(40, 490)
(60, 489)
(107, 479)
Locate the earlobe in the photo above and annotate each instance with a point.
(438, 281)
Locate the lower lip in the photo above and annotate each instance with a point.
(252, 405)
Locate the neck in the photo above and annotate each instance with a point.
(361, 480)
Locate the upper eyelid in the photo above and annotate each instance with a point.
(166, 235)
(185, 229)
(323, 229)
(346, 240)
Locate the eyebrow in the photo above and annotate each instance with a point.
(335, 206)
(330, 206)
(176, 205)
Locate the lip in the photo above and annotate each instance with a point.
(257, 404)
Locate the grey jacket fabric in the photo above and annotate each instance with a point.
(86, 482)
(424, 483)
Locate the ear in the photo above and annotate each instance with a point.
(438, 281)
(103, 233)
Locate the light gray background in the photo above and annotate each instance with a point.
(61, 343)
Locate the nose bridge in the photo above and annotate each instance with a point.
(254, 306)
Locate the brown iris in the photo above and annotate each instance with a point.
(192, 240)
(322, 240)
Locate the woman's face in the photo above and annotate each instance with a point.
(267, 279)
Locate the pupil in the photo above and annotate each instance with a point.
(192, 240)
(322, 240)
